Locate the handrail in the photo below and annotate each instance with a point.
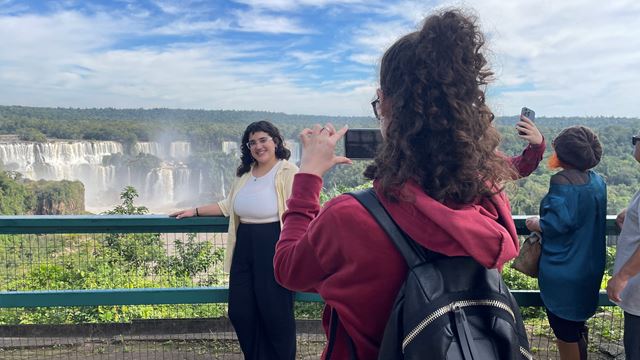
(87, 224)
(162, 296)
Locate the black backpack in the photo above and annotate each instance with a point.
(448, 307)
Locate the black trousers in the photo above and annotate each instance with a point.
(631, 337)
(260, 310)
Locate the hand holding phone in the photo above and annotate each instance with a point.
(529, 114)
(362, 143)
(318, 149)
(527, 129)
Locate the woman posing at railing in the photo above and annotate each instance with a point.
(260, 310)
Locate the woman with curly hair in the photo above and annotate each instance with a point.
(260, 310)
(437, 174)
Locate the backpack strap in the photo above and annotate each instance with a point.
(333, 330)
(413, 253)
(467, 343)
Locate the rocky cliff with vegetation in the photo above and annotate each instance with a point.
(19, 196)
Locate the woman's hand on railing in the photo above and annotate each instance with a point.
(533, 224)
(615, 286)
(620, 218)
(184, 213)
(204, 210)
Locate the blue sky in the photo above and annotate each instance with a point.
(561, 58)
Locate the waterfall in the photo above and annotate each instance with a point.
(223, 186)
(152, 148)
(161, 188)
(230, 147)
(294, 147)
(179, 150)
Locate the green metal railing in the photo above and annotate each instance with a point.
(160, 224)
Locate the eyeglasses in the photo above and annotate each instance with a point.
(635, 139)
(374, 104)
(261, 141)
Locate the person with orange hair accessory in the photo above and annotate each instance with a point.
(572, 223)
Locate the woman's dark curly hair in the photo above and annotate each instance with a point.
(439, 132)
(246, 158)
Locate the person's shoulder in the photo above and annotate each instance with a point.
(560, 178)
(340, 200)
(599, 178)
(343, 203)
(345, 209)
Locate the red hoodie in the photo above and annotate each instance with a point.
(341, 253)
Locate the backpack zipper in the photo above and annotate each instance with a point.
(453, 306)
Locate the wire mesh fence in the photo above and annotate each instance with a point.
(109, 261)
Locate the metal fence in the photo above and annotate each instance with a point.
(152, 287)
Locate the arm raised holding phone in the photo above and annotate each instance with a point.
(528, 161)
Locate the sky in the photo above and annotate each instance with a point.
(321, 57)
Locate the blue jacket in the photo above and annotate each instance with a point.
(573, 223)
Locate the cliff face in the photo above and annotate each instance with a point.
(58, 197)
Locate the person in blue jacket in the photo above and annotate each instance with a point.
(572, 222)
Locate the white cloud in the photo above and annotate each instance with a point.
(64, 60)
(288, 5)
(260, 22)
(183, 27)
(564, 58)
(572, 55)
(303, 57)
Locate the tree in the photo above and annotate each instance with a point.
(128, 194)
(133, 251)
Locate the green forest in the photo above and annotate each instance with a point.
(206, 129)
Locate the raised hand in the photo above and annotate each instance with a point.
(318, 149)
(528, 131)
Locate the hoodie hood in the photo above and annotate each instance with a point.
(484, 231)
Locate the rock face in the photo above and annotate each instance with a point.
(58, 197)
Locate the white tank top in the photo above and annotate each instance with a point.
(257, 201)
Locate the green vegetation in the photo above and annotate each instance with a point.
(15, 197)
(20, 196)
(31, 134)
(57, 197)
(61, 262)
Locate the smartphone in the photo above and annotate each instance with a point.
(530, 114)
(362, 143)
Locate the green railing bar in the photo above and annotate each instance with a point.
(201, 295)
(142, 296)
(612, 228)
(86, 224)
